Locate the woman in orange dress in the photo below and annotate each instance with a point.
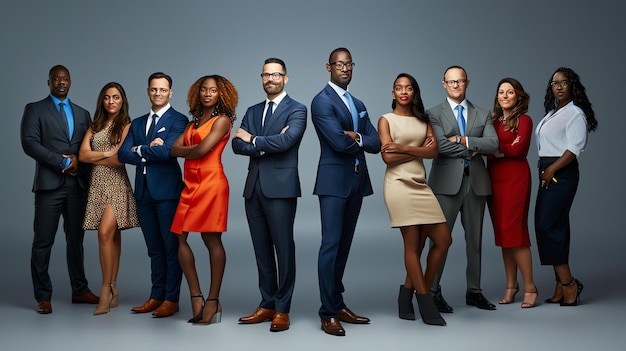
(203, 205)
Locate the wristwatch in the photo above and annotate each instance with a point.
(358, 139)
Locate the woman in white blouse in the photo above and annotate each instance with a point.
(561, 138)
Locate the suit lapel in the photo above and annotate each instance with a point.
(345, 116)
(57, 117)
(257, 119)
(447, 111)
(278, 112)
(471, 118)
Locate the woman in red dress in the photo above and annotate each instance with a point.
(203, 205)
(510, 180)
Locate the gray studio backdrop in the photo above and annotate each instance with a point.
(125, 41)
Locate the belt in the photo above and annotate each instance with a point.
(466, 170)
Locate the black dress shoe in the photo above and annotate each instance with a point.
(442, 305)
(478, 300)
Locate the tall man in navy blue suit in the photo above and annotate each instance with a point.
(51, 132)
(270, 134)
(158, 183)
(345, 132)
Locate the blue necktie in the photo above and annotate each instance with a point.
(70, 121)
(460, 120)
(355, 116)
(268, 114)
(353, 112)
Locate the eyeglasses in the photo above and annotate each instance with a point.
(272, 76)
(340, 65)
(563, 84)
(451, 83)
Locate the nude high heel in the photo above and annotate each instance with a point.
(116, 295)
(105, 305)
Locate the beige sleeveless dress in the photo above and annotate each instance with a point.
(409, 199)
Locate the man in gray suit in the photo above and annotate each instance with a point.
(270, 135)
(459, 178)
(51, 132)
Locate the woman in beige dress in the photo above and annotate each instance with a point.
(407, 138)
(110, 202)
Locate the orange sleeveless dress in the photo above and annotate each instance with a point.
(203, 205)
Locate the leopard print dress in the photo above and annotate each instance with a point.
(109, 186)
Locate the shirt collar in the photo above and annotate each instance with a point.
(277, 99)
(339, 90)
(161, 111)
(57, 101)
(453, 104)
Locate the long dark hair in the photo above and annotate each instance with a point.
(101, 116)
(579, 97)
(417, 106)
(521, 106)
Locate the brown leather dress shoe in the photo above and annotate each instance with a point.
(167, 309)
(259, 315)
(87, 297)
(280, 322)
(332, 326)
(345, 315)
(44, 307)
(148, 306)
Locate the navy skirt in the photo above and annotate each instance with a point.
(552, 226)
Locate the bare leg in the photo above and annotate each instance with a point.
(523, 260)
(412, 238)
(188, 266)
(217, 257)
(109, 259)
(510, 270)
(439, 235)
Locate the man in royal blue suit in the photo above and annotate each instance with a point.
(51, 132)
(158, 183)
(270, 134)
(345, 132)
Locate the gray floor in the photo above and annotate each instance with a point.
(372, 278)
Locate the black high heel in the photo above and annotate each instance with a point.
(428, 310)
(197, 317)
(549, 300)
(405, 304)
(579, 290)
(215, 318)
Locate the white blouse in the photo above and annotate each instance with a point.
(565, 129)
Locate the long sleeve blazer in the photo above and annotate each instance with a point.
(338, 151)
(45, 138)
(274, 156)
(446, 173)
(162, 171)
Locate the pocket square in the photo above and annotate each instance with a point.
(161, 130)
(362, 114)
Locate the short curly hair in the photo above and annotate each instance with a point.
(228, 97)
